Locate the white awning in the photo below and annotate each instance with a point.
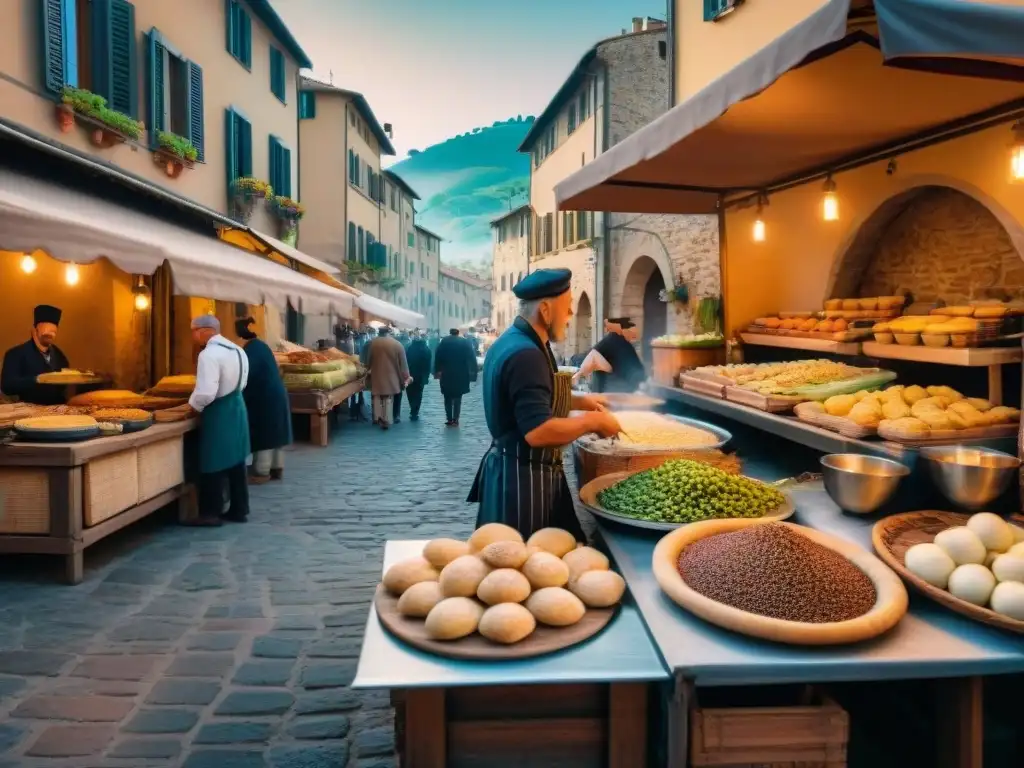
(400, 316)
(294, 253)
(71, 226)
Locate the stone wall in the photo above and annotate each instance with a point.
(943, 245)
(638, 82)
(583, 264)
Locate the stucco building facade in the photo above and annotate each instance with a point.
(511, 261)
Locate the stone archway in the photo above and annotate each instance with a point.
(644, 280)
(584, 324)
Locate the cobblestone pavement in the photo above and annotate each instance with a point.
(232, 647)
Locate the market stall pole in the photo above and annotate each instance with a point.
(583, 706)
(318, 405)
(61, 498)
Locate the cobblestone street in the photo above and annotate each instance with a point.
(232, 647)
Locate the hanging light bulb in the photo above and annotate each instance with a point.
(142, 302)
(830, 203)
(759, 228)
(28, 264)
(1017, 153)
(71, 274)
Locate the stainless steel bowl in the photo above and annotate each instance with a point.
(970, 477)
(860, 484)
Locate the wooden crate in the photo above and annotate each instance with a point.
(667, 362)
(161, 467)
(812, 734)
(24, 501)
(111, 486)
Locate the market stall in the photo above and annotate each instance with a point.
(318, 384)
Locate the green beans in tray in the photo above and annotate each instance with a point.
(681, 491)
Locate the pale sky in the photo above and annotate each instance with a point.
(437, 68)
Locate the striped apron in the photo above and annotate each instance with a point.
(525, 487)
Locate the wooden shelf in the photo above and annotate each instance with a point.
(795, 342)
(967, 357)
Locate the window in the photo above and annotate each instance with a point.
(91, 45)
(412, 268)
(361, 245)
(430, 299)
(571, 116)
(351, 117)
(280, 167)
(423, 272)
(582, 228)
(549, 233)
(583, 107)
(307, 105)
(239, 33)
(394, 198)
(568, 230)
(353, 167)
(503, 282)
(278, 85)
(423, 297)
(238, 134)
(352, 254)
(716, 9)
(175, 93)
(372, 183)
(412, 240)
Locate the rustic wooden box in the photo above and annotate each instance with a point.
(24, 501)
(111, 486)
(161, 467)
(667, 362)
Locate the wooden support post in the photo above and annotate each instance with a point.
(995, 384)
(627, 725)
(960, 723)
(425, 729)
(66, 511)
(319, 429)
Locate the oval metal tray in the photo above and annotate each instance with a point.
(723, 435)
(57, 435)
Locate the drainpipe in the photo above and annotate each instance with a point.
(670, 44)
(348, 170)
(604, 302)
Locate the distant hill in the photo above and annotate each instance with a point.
(467, 181)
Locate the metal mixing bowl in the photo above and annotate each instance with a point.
(860, 484)
(970, 477)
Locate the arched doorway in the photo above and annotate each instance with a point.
(584, 325)
(655, 321)
(644, 280)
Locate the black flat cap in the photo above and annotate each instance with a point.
(543, 284)
(44, 313)
(623, 322)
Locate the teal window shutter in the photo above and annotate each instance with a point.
(196, 122)
(239, 32)
(229, 23)
(715, 9)
(277, 73)
(275, 164)
(244, 145)
(286, 172)
(351, 255)
(246, 35)
(361, 245)
(230, 147)
(307, 105)
(58, 44)
(155, 57)
(113, 54)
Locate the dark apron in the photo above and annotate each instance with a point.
(224, 430)
(525, 487)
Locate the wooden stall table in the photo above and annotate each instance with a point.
(318, 406)
(60, 498)
(583, 707)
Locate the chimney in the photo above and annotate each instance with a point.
(638, 24)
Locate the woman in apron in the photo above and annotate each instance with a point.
(527, 403)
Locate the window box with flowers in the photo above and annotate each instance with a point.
(288, 212)
(245, 193)
(107, 127)
(174, 153)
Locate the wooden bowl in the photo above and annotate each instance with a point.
(894, 535)
(889, 608)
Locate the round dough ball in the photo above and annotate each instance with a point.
(931, 563)
(584, 559)
(993, 531)
(543, 569)
(507, 623)
(505, 554)
(418, 600)
(1017, 549)
(505, 585)
(404, 574)
(972, 583)
(440, 552)
(1009, 568)
(452, 618)
(555, 607)
(962, 544)
(599, 589)
(554, 540)
(1018, 533)
(490, 533)
(1008, 599)
(462, 576)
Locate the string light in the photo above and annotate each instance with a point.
(28, 264)
(759, 228)
(830, 203)
(71, 274)
(1017, 153)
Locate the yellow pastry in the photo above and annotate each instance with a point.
(1001, 414)
(908, 426)
(979, 404)
(958, 311)
(948, 393)
(840, 405)
(934, 418)
(914, 393)
(895, 408)
(866, 413)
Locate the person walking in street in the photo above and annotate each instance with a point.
(389, 372)
(527, 401)
(221, 375)
(266, 402)
(419, 359)
(455, 366)
(396, 404)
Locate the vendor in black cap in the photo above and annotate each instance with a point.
(614, 362)
(24, 363)
(527, 402)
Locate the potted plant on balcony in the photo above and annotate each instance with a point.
(288, 212)
(107, 126)
(245, 193)
(173, 153)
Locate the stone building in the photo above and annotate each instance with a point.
(511, 262)
(620, 262)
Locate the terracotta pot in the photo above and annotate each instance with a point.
(65, 117)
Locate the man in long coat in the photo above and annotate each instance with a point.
(455, 365)
(389, 372)
(420, 359)
(266, 403)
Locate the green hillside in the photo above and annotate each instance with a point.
(467, 181)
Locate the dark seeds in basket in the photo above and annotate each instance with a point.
(772, 571)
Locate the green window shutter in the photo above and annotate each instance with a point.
(246, 24)
(113, 54)
(361, 245)
(307, 105)
(155, 56)
(245, 145)
(351, 255)
(230, 147)
(275, 150)
(715, 8)
(277, 73)
(196, 122)
(58, 45)
(229, 22)
(286, 171)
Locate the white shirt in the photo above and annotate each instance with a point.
(594, 361)
(218, 371)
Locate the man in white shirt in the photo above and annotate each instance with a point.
(221, 375)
